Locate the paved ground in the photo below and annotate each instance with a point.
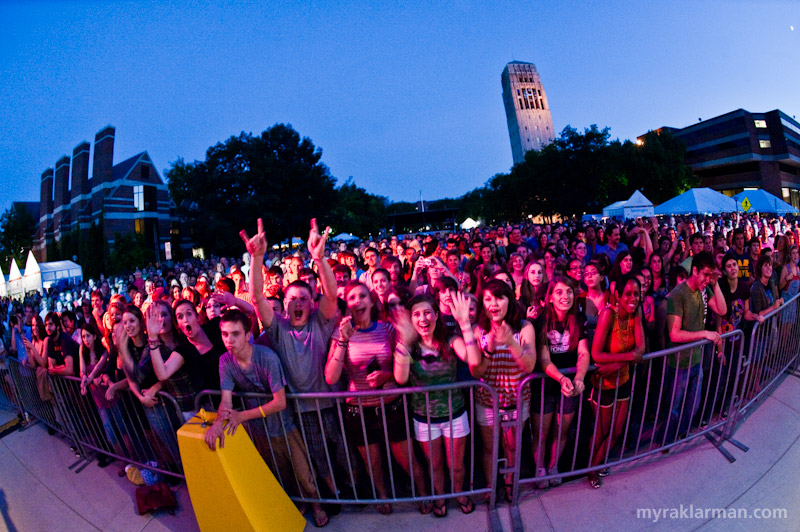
(39, 491)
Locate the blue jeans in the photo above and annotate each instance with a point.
(686, 386)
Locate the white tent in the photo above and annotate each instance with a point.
(15, 280)
(469, 223)
(3, 288)
(32, 280)
(637, 206)
(344, 237)
(762, 201)
(59, 271)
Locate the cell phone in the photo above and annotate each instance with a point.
(373, 365)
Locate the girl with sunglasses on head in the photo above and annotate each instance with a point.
(427, 355)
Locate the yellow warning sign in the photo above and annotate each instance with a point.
(746, 205)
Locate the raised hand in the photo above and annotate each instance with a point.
(346, 328)
(154, 322)
(503, 334)
(404, 327)
(226, 299)
(257, 245)
(316, 241)
(459, 306)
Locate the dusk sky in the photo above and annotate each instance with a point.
(401, 96)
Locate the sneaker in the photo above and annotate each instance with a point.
(541, 484)
(554, 481)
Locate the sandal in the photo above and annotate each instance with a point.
(320, 518)
(385, 508)
(595, 480)
(440, 511)
(425, 507)
(466, 507)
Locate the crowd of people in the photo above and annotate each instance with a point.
(493, 304)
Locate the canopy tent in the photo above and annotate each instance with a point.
(697, 201)
(762, 201)
(344, 237)
(3, 287)
(32, 280)
(469, 223)
(637, 206)
(60, 273)
(15, 280)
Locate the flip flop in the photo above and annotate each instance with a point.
(385, 508)
(440, 511)
(320, 518)
(425, 507)
(467, 507)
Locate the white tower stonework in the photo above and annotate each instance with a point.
(530, 125)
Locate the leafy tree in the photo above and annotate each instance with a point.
(17, 229)
(357, 211)
(583, 172)
(276, 176)
(130, 252)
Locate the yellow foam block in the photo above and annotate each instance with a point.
(232, 488)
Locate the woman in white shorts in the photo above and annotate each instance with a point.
(426, 357)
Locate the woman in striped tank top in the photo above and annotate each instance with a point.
(508, 346)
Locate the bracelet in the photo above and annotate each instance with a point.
(262, 411)
(342, 343)
(562, 378)
(154, 345)
(471, 342)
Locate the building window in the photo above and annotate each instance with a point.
(138, 198)
(764, 144)
(145, 173)
(760, 123)
(139, 225)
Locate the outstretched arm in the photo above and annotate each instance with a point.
(316, 246)
(257, 247)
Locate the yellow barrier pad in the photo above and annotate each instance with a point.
(232, 488)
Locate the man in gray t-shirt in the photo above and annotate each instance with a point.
(301, 339)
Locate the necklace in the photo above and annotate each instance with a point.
(624, 332)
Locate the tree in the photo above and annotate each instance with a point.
(130, 252)
(17, 229)
(583, 172)
(276, 176)
(357, 211)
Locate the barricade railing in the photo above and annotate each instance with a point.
(643, 409)
(331, 430)
(8, 395)
(666, 406)
(774, 349)
(121, 428)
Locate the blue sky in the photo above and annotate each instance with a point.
(404, 97)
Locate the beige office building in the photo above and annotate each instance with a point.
(530, 125)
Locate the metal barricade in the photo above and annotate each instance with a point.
(774, 349)
(8, 395)
(331, 431)
(122, 428)
(34, 393)
(613, 422)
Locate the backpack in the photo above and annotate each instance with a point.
(156, 497)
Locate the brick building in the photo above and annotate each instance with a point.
(741, 150)
(123, 198)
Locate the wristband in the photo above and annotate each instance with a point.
(262, 411)
(342, 343)
(471, 342)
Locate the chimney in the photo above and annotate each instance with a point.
(103, 156)
(80, 170)
(61, 195)
(46, 197)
